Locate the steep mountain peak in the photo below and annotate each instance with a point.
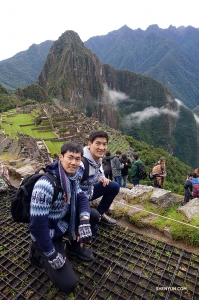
(125, 27)
(153, 28)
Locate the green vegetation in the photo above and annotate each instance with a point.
(32, 91)
(24, 68)
(163, 56)
(176, 170)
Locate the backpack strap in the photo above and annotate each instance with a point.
(86, 169)
(56, 184)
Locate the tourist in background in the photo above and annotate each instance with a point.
(188, 188)
(134, 169)
(127, 165)
(4, 178)
(117, 166)
(159, 172)
(106, 162)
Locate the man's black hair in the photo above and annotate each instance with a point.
(108, 153)
(71, 147)
(97, 133)
(118, 152)
(135, 155)
(193, 174)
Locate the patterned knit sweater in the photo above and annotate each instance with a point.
(94, 175)
(48, 220)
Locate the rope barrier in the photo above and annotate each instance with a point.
(157, 215)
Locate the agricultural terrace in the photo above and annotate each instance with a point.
(12, 123)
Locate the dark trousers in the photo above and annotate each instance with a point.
(109, 176)
(63, 278)
(187, 196)
(108, 192)
(136, 182)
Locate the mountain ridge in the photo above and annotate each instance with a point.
(23, 68)
(129, 49)
(73, 75)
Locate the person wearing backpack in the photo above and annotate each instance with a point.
(70, 213)
(134, 174)
(127, 165)
(188, 188)
(191, 187)
(159, 173)
(95, 184)
(106, 163)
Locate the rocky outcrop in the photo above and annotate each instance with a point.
(191, 209)
(163, 198)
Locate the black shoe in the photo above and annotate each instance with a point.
(32, 259)
(107, 220)
(82, 252)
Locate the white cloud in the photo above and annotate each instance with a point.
(150, 112)
(179, 102)
(113, 96)
(117, 96)
(196, 118)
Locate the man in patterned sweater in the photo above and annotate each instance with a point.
(96, 184)
(69, 213)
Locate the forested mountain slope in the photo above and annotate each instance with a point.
(24, 67)
(170, 56)
(139, 105)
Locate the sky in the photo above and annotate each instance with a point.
(27, 22)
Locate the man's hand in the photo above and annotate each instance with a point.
(57, 262)
(84, 232)
(105, 181)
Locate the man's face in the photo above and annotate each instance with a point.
(70, 161)
(98, 148)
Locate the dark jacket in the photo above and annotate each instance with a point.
(134, 169)
(106, 162)
(127, 165)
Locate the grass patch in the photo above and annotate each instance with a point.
(177, 222)
(137, 219)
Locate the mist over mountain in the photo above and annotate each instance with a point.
(170, 56)
(24, 67)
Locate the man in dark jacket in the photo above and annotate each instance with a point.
(188, 186)
(69, 213)
(127, 164)
(134, 169)
(106, 163)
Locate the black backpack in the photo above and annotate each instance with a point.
(20, 202)
(141, 173)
